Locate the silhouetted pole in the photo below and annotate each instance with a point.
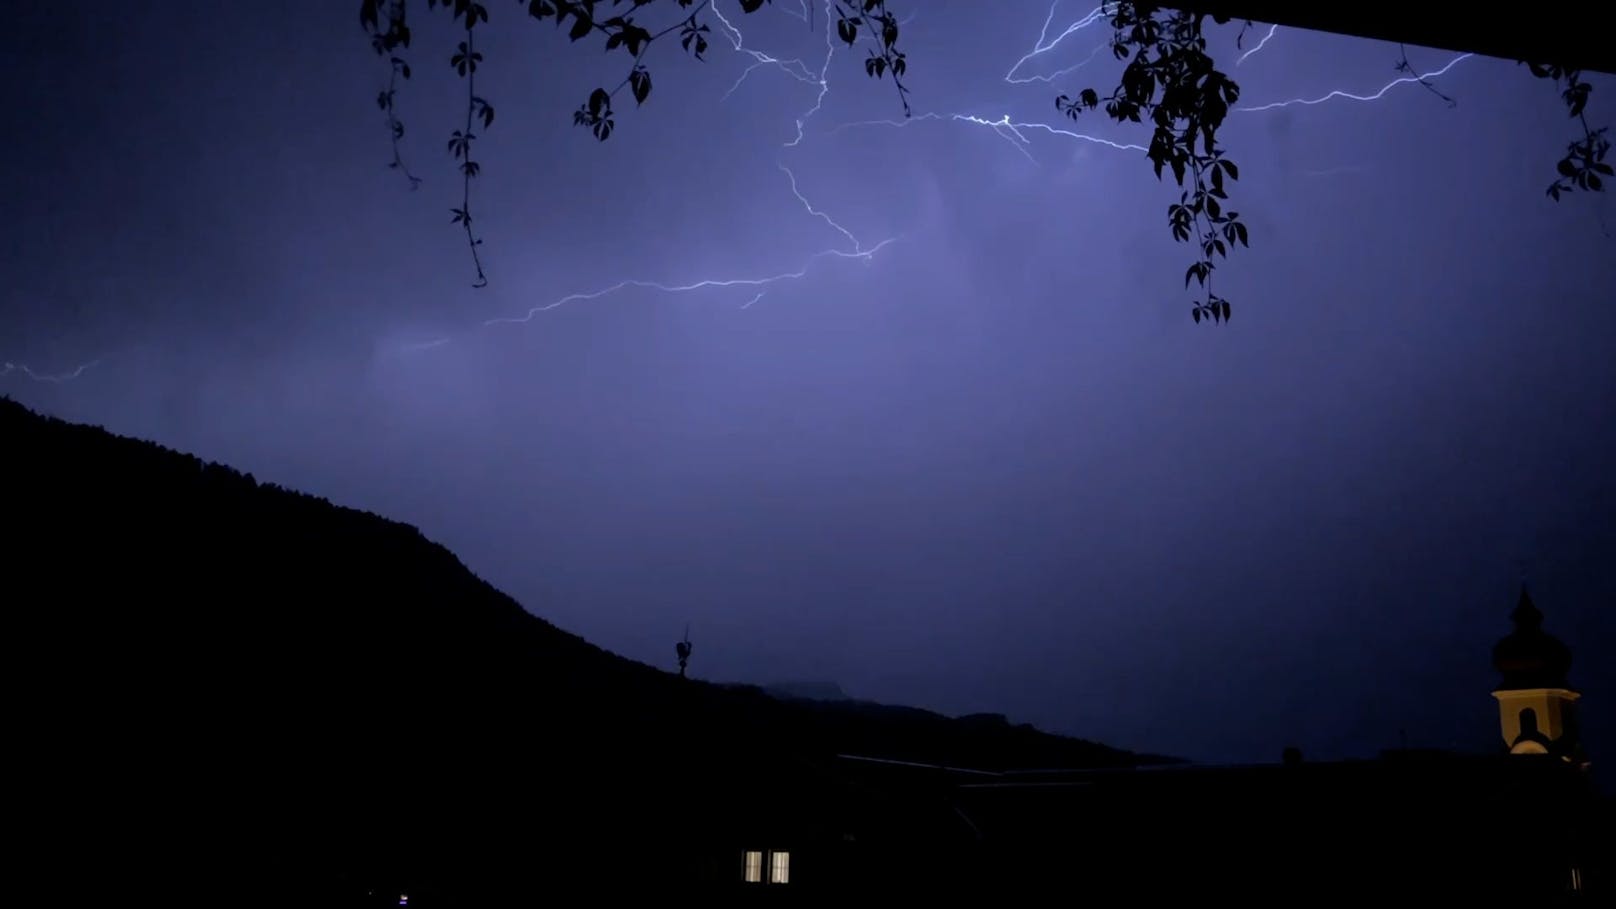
(683, 650)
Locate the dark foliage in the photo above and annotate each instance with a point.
(1169, 81)
(1583, 166)
(387, 23)
(1172, 81)
(220, 682)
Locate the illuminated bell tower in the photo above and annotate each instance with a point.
(1536, 706)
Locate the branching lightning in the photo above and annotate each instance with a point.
(797, 70)
(1016, 133)
(794, 68)
(1045, 44)
(1349, 96)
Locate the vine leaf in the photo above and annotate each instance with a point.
(639, 82)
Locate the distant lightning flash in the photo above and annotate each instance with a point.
(703, 284)
(7, 368)
(1006, 128)
(424, 345)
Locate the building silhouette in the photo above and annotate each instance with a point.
(233, 693)
(1523, 825)
(1536, 705)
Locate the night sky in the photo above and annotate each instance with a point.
(993, 466)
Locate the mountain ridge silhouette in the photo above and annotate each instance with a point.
(269, 679)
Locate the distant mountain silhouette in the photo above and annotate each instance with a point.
(220, 679)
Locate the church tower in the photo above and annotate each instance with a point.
(1536, 705)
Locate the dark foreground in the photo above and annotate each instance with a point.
(228, 693)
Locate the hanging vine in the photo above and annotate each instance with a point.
(385, 21)
(1172, 81)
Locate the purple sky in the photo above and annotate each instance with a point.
(993, 466)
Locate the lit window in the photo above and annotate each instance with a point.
(754, 867)
(1576, 879)
(779, 867)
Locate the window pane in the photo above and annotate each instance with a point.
(754, 867)
(779, 867)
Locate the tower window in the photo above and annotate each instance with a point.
(754, 867)
(779, 867)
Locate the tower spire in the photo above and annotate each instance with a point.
(1526, 614)
(1537, 706)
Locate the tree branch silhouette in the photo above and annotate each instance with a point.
(1169, 78)
(1403, 66)
(465, 62)
(1584, 162)
(394, 36)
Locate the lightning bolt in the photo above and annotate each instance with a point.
(1045, 44)
(794, 68)
(1349, 96)
(1260, 45)
(809, 207)
(1009, 130)
(8, 368)
(798, 71)
(424, 345)
(1049, 40)
(702, 284)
